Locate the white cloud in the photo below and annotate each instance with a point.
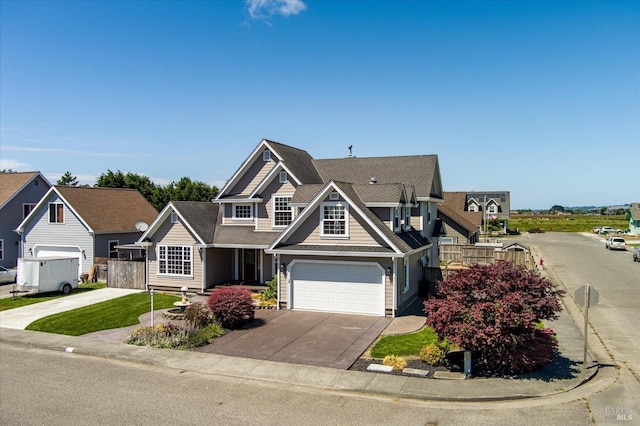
(15, 165)
(265, 9)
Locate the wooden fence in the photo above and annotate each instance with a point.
(126, 274)
(469, 255)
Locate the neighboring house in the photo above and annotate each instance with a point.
(494, 206)
(633, 216)
(84, 222)
(342, 235)
(19, 194)
(457, 225)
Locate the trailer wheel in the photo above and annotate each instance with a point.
(66, 288)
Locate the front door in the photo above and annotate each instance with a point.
(250, 265)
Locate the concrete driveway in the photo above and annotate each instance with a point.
(311, 338)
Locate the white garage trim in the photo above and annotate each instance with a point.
(345, 286)
(59, 251)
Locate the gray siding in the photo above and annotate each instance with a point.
(71, 233)
(102, 241)
(11, 217)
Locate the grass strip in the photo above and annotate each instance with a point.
(404, 344)
(30, 299)
(115, 313)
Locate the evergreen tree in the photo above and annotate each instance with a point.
(67, 179)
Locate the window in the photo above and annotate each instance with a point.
(492, 208)
(175, 260)
(282, 211)
(473, 208)
(334, 220)
(242, 211)
(266, 155)
(113, 253)
(174, 217)
(405, 288)
(283, 177)
(27, 208)
(56, 213)
(407, 217)
(396, 219)
(334, 196)
(1, 249)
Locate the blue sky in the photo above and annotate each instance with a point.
(539, 98)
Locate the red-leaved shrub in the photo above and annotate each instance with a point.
(495, 311)
(232, 306)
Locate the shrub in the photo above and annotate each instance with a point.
(163, 336)
(199, 315)
(395, 361)
(493, 310)
(232, 307)
(271, 291)
(205, 335)
(433, 354)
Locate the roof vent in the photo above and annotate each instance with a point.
(373, 180)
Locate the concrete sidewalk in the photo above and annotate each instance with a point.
(19, 318)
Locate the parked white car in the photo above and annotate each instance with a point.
(7, 275)
(616, 243)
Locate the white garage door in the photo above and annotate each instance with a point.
(348, 287)
(56, 251)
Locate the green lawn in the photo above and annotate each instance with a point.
(29, 299)
(114, 313)
(404, 344)
(572, 223)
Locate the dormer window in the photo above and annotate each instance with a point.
(407, 217)
(396, 219)
(266, 155)
(283, 177)
(492, 208)
(473, 208)
(242, 211)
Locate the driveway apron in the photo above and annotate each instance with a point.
(311, 338)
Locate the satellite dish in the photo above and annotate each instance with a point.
(141, 226)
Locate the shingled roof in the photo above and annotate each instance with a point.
(298, 161)
(11, 183)
(454, 207)
(107, 210)
(201, 216)
(412, 170)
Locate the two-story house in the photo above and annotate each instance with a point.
(19, 194)
(494, 206)
(342, 235)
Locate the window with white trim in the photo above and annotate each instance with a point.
(56, 213)
(266, 155)
(282, 211)
(396, 219)
(1, 249)
(283, 177)
(333, 219)
(473, 208)
(175, 260)
(492, 208)
(27, 208)
(407, 217)
(113, 252)
(242, 211)
(405, 287)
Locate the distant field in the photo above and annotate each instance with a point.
(573, 223)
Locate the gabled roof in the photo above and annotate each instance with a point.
(420, 171)
(297, 161)
(634, 211)
(12, 183)
(200, 216)
(103, 210)
(454, 208)
(397, 244)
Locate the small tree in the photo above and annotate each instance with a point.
(496, 311)
(67, 179)
(232, 306)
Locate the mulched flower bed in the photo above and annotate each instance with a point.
(362, 363)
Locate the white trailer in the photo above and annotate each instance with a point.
(44, 274)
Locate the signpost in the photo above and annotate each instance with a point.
(586, 297)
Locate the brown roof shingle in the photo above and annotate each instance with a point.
(108, 210)
(10, 183)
